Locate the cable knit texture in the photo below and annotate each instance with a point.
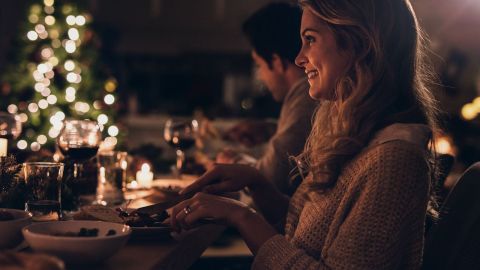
(373, 218)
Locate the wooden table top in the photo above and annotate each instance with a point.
(161, 254)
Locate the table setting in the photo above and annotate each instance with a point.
(43, 214)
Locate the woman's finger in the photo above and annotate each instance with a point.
(175, 210)
(204, 180)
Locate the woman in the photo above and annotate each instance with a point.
(363, 203)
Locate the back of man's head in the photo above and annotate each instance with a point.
(275, 29)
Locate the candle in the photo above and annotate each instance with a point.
(145, 176)
(3, 147)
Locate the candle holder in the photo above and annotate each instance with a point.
(144, 177)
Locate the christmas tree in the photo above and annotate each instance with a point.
(54, 73)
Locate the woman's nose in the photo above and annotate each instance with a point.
(301, 60)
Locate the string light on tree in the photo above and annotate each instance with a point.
(63, 78)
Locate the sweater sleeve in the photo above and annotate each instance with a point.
(293, 128)
(384, 213)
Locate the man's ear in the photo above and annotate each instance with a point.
(278, 64)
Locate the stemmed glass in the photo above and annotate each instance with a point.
(180, 134)
(79, 141)
(10, 126)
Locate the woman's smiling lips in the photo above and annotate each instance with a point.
(311, 74)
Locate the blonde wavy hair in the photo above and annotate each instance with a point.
(387, 82)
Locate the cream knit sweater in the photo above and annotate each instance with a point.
(373, 218)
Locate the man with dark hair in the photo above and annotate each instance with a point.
(273, 32)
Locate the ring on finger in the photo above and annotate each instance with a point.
(187, 210)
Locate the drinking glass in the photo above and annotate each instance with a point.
(180, 134)
(79, 141)
(43, 188)
(112, 177)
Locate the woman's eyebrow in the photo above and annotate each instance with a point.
(308, 30)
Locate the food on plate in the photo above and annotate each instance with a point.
(137, 219)
(133, 219)
(84, 232)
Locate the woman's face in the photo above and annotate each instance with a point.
(322, 59)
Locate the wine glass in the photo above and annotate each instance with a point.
(180, 134)
(79, 141)
(10, 126)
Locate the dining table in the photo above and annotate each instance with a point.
(174, 254)
(175, 251)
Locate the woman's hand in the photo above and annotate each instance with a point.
(227, 178)
(188, 213)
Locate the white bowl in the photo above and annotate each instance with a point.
(77, 250)
(11, 230)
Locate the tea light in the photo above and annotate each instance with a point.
(145, 176)
(3, 147)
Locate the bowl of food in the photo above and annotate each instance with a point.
(11, 223)
(77, 242)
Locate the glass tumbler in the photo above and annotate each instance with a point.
(43, 184)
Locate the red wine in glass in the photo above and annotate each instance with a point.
(79, 153)
(182, 143)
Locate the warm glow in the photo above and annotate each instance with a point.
(52, 99)
(469, 111)
(22, 144)
(110, 86)
(32, 35)
(70, 46)
(49, 20)
(145, 167)
(46, 92)
(35, 146)
(42, 68)
(42, 139)
(476, 103)
(82, 107)
(109, 99)
(54, 61)
(12, 108)
(43, 104)
(102, 119)
(23, 117)
(39, 87)
(56, 43)
(71, 77)
(33, 107)
(70, 91)
(80, 20)
(73, 34)
(33, 18)
(43, 35)
(113, 131)
(443, 146)
(46, 53)
(70, 20)
(49, 9)
(69, 65)
(39, 28)
(48, 3)
(54, 34)
(70, 98)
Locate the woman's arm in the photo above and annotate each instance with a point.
(234, 177)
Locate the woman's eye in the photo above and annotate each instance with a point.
(309, 39)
